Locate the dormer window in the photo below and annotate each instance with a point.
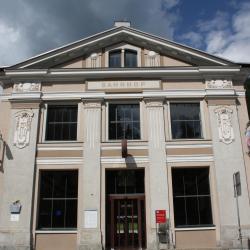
(123, 58)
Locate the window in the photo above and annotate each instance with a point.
(185, 120)
(130, 59)
(58, 200)
(124, 121)
(61, 123)
(115, 59)
(191, 194)
(123, 58)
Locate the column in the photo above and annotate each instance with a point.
(18, 178)
(157, 163)
(90, 178)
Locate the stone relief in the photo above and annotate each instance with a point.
(224, 116)
(248, 137)
(219, 84)
(26, 87)
(22, 128)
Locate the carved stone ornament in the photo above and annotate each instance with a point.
(219, 84)
(248, 137)
(26, 87)
(224, 116)
(23, 128)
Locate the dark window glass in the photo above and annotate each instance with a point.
(192, 202)
(61, 123)
(185, 120)
(125, 182)
(124, 121)
(130, 59)
(58, 200)
(115, 59)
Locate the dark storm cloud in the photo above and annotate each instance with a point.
(34, 26)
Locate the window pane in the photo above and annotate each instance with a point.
(61, 123)
(71, 218)
(130, 59)
(179, 211)
(45, 207)
(121, 121)
(192, 211)
(115, 59)
(205, 210)
(185, 120)
(58, 213)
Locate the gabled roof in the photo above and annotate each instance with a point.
(117, 35)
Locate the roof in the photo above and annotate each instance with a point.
(121, 34)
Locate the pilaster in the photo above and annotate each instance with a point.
(90, 175)
(18, 178)
(157, 162)
(228, 157)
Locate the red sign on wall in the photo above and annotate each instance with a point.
(160, 216)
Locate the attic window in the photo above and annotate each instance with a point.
(123, 58)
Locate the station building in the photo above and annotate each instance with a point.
(66, 181)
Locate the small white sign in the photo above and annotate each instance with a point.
(14, 217)
(90, 218)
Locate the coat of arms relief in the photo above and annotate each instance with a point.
(224, 117)
(23, 128)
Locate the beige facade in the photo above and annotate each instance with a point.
(166, 76)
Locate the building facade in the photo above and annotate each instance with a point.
(66, 181)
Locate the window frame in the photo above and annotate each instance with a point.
(212, 202)
(37, 200)
(107, 119)
(202, 118)
(123, 46)
(45, 117)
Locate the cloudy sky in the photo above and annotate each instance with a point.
(30, 27)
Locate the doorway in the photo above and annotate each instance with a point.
(125, 209)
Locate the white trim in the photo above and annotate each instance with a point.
(119, 147)
(241, 93)
(138, 159)
(189, 158)
(189, 146)
(61, 148)
(195, 229)
(166, 43)
(55, 232)
(59, 160)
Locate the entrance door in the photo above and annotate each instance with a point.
(125, 210)
(127, 222)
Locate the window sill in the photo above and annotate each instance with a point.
(55, 231)
(195, 228)
(56, 142)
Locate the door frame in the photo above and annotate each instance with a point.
(139, 198)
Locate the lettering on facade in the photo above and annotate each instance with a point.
(22, 128)
(224, 117)
(109, 85)
(26, 87)
(219, 84)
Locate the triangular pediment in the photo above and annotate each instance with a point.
(74, 55)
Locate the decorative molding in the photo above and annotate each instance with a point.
(23, 128)
(187, 158)
(219, 84)
(26, 87)
(60, 161)
(225, 126)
